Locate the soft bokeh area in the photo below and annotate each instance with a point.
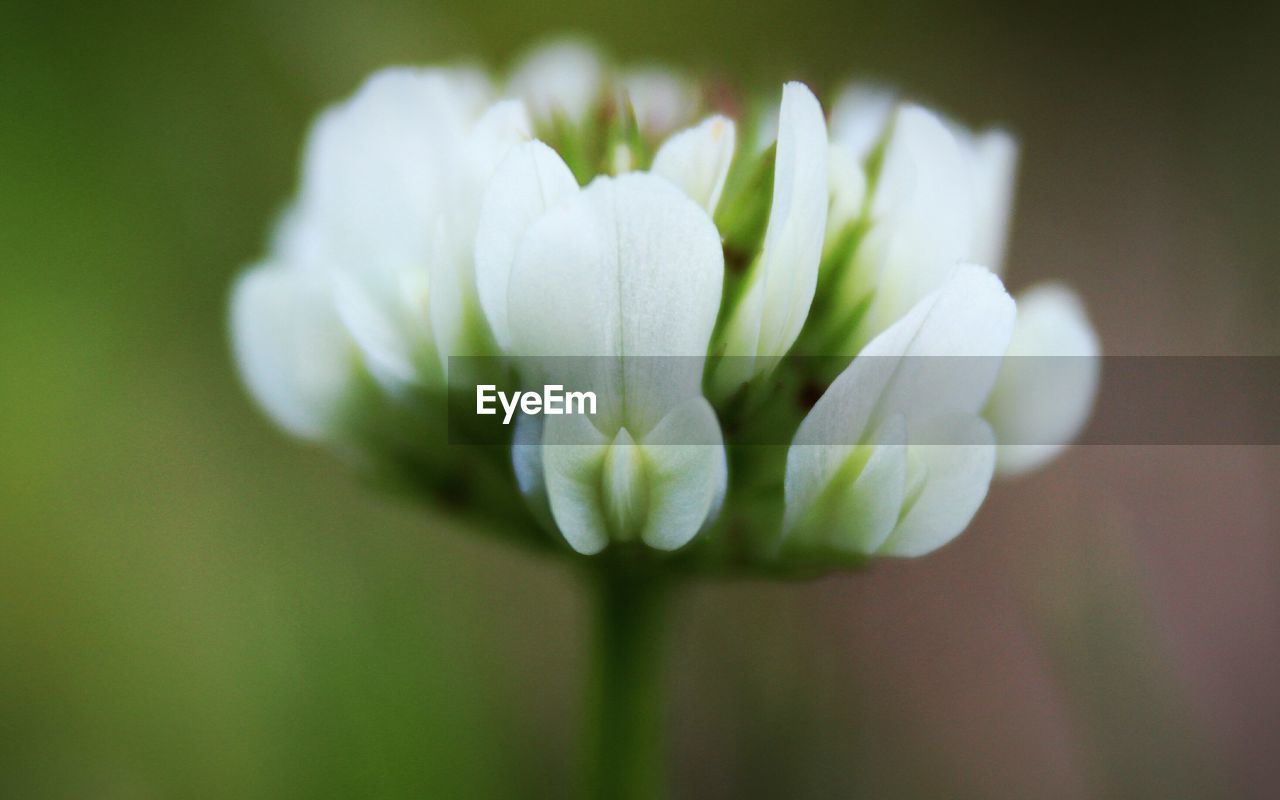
(192, 605)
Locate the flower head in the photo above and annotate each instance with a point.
(798, 348)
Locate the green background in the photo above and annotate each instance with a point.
(193, 606)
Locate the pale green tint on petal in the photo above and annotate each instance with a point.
(845, 498)
(781, 285)
(573, 459)
(687, 474)
(531, 179)
(624, 487)
(1047, 386)
(661, 490)
(628, 267)
(697, 160)
(291, 349)
(930, 373)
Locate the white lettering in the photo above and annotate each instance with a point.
(484, 395)
(552, 400)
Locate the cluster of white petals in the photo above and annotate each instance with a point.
(580, 209)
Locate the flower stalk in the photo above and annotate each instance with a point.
(625, 745)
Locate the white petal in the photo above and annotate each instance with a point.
(291, 349)
(531, 179)
(628, 267)
(930, 372)
(661, 490)
(845, 497)
(384, 173)
(573, 457)
(661, 100)
(1048, 382)
(395, 343)
(941, 358)
(922, 215)
(860, 116)
(947, 350)
(697, 160)
(994, 161)
(954, 482)
(783, 280)
(502, 126)
(376, 166)
(560, 78)
(686, 474)
(526, 455)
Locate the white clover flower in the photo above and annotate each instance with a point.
(894, 459)
(595, 226)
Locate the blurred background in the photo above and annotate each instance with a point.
(192, 605)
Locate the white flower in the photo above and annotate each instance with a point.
(622, 272)
(894, 459)
(431, 223)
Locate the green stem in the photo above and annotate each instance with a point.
(625, 701)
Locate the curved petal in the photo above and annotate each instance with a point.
(384, 173)
(952, 475)
(922, 216)
(573, 460)
(290, 348)
(685, 459)
(946, 352)
(375, 166)
(846, 498)
(780, 289)
(628, 267)
(697, 160)
(921, 382)
(1048, 382)
(531, 179)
